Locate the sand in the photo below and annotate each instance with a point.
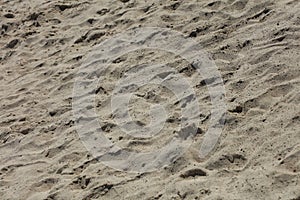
(255, 46)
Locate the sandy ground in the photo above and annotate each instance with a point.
(255, 45)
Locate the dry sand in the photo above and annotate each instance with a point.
(255, 45)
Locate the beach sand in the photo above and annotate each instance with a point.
(254, 44)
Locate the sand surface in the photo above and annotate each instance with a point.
(254, 44)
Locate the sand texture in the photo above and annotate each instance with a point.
(254, 44)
